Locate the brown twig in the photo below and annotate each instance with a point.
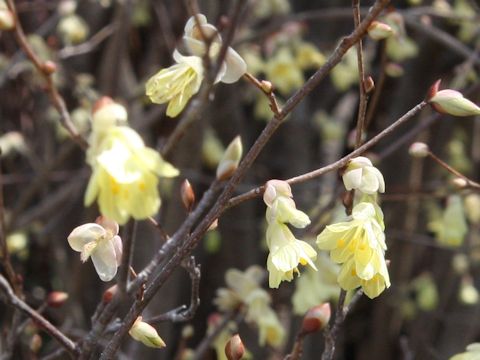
(362, 105)
(184, 313)
(469, 183)
(337, 164)
(127, 256)
(87, 46)
(266, 88)
(47, 69)
(43, 323)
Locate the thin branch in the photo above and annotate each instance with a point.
(43, 323)
(470, 183)
(127, 256)
(87, 46)
(266, 88)
(47, 69)
(362, 106)
(184, 313)
(337, 164)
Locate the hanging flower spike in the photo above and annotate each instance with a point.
(360, 174)
(286, 253)
(359, 244)
(101, 242)
(233, 66)
(176, 84)
(125, 176)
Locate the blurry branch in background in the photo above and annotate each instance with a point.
(43, 323)
(87, 46)
(47, 69)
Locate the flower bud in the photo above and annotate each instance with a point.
(49, 67)
(107, 113)
(266, 86)
(471, 205)
(67, 7)
(468, 293)
(187, 195)
(275, 188)
(418, 150)
(234, 349)
(56, 298)
(379, 31)
(452, 102)
(394, 70)
(230, 159)
(73, 29)
(368, 85)
(109, 294)
(459, 182)
(146, 334)
(187, 332)
(7, 21)
(316, 318)
(460, 263)
(35, 343)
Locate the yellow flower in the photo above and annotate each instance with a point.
(472, 353)
(308, 56)
(316, 287)
(176, 84)
(286, 253)
(284, 72)
(125, 176)
(361, 175)
(233, 67)
(359, 244)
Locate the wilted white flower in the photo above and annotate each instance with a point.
(101, 242)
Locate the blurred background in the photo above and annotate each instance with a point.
(109, 47)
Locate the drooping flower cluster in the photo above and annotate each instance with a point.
(359, 243)
(101, 242)
(125, 171)
(178, 83)
(244, 293)
(286, 252)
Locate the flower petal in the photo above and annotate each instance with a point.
(236, 67)
(84, 234)
(105, 260)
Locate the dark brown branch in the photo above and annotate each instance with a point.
(43, 323)
(47, 70)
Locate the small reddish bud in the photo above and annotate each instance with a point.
(49, 67)
(316, 318)
(433, 90)
(100, 103)
(368, 85)
(109, 294)
(187, 194)
(56, 298)
(234, 349)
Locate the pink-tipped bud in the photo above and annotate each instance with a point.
(56, 298)
(109, 294)
(49, 67)
(187, 194)
(316, 318)
(418, 150)
(379, 31)
(234, 349)
(432, 91)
